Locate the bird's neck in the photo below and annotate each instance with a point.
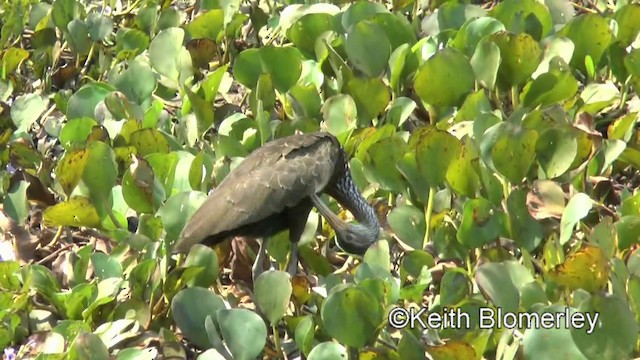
(347, 194)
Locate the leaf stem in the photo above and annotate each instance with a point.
(276, 341)
(427, 216)
(56, 237)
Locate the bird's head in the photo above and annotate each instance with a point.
(356, 238)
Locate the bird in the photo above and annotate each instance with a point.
(274, 188)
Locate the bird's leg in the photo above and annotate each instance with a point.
(293, 259)
(258, 265)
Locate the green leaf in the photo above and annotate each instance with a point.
(351, 315)
(500, 283)
(77, 212)
(616, 333)
(486, 62)
(170, 58)
(435, 152)
(26, 109)
(628, 26)
(99, 25)
(328, 350)
(88, 346)
(512, 149)
(15, 202)
(368, 48)
(556, 150)
(137, 82)
(272, 290)
(591, 35)
(445, 79)
(480, 223)
(205, 257)
(307, 29)
(521, 55)
(190, 308)
(578, 207)
(177, 210)
(243, 331)
(340, 114)
(284, 64)
(84, 101)
(78, 37)
(100, 173)
(76, 131)
(207, 25)
(518, 16)
(370, 95)
(408, 223)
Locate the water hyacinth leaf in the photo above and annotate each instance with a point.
(78, 36)
(84, 101)
(591, 35)
(616, 331)
(368, 48)
(513, 151)
(88, 346)
(556, 150)
(26, 109)
(586, 269)
(400, 110)
(205, 257)
(100, 173)
(473, 31)
(445, 78)
(521, 55)
(272, 291)
(99, 26)
(13, 58)
(525, 230)
(77, 212)
(361, 11)
(554, 342)
(577, 208)
(15, 202)
(370, 95)
(177, 210)
(397, 29)
(244, 332)
(247, 68)
(328, 350)
(555, 47)
(628, 230)
(207, 25)
(628, 26)
(461, 174)
(70, 169)
(435, 152)
(149, 141)
(284, 64)
(76, 131)
(545, 200)
(524, 16)
(500, 283)
(190, 308)
(480, 223)
(549, 88)
(408, 223)
(170, 58)
(340, 114)
(338, 315)
(137, 82)
(380, 161)
(306, 30)
(486, 62)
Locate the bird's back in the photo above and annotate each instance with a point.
(276, 176)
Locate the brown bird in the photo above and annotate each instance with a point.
(274, 188)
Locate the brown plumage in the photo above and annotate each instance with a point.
(274, 188)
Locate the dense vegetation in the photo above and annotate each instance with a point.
(498, 142)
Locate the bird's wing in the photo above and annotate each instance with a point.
(279, 174)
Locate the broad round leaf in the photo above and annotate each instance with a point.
(445, 79)
(272, 290)
(368, 48)
(591, 35)
(351, 315)
(190, 308)
(244, 332)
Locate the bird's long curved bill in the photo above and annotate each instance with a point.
(335, 222)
